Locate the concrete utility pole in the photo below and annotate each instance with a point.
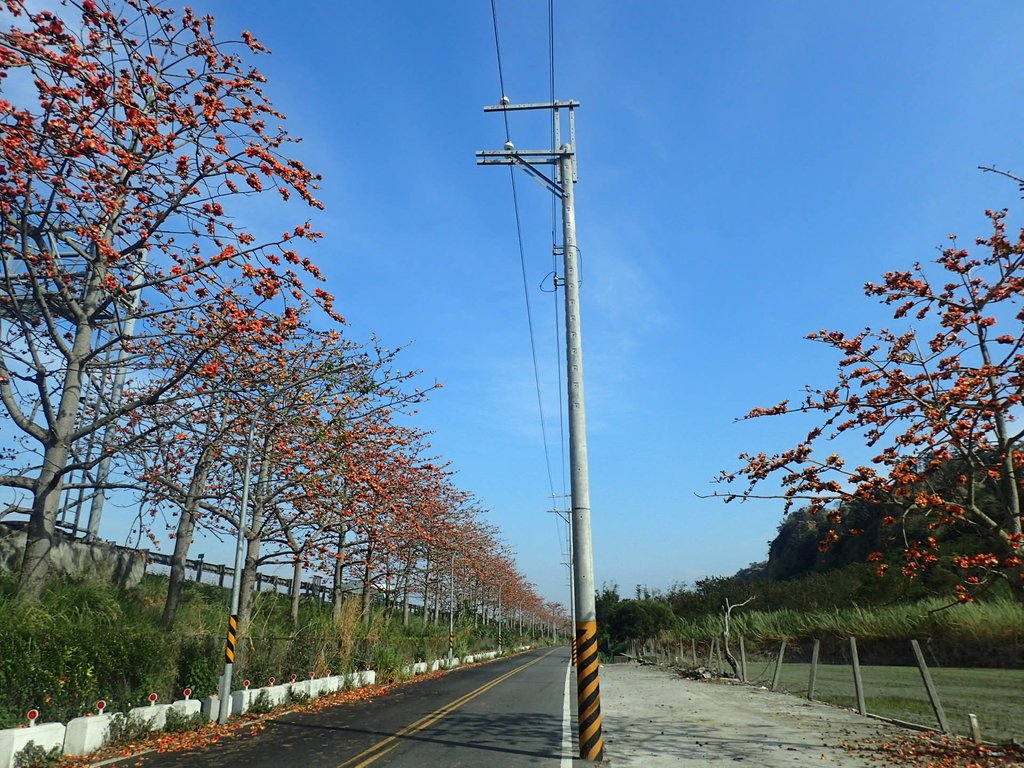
(224, 689)
(566, 515)
(563, 157)
(451, 615)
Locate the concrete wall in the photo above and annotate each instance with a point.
(99, 561)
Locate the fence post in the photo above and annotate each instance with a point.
(711, 653)
(975, 728)
(929, 686)
(221, 569)
(693, 651)
(743, 661)
(814, 669)
(259, 581)
(858, 683)
(778, 667)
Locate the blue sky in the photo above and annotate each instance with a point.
(743, 169)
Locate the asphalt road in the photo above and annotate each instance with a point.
(504, 714)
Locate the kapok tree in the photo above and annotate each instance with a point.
(182, 455)
(934, 399)
(117, 175)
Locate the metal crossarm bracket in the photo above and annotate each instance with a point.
(525, 159)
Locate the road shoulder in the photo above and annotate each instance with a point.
(654, 718)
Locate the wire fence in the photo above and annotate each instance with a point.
(908, 682)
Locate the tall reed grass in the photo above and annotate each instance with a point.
(1000, 621)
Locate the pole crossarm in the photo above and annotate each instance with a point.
(532, 105)
(526, 159)
(544, 156)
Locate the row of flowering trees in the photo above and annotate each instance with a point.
(143, 324)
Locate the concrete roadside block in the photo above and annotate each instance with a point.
(468, 659)
(320, 686)
(210, 707)
(359, 679)
(278, 695)
(13, 740)
(186, 707)
(419, 667)
(332, 684)
(435, 665)
(86, 734)
(240, 700)
(154, 715)
(301, 689)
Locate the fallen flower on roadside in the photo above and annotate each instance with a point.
(936, 750)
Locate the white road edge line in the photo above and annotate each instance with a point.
(567, 753)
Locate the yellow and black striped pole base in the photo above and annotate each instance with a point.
(572, 644)
(229, 646)
(588, 691)
(451, 643)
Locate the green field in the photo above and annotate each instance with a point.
(995, 696)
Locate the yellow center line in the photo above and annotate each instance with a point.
(377, 751)
(375, 757)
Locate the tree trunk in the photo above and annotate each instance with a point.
(183, 540)
(426, 589)
(296, 590)
(338, 596)
(366, 584)
(35, 565)
(245, 600)
(252, 557)
(407, 588)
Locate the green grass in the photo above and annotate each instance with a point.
(995, 696)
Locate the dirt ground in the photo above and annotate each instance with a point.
(654, 718)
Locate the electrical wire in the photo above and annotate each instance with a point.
(522, 258)
(554, 242)
(501, 71)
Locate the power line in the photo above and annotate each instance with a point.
(501, 72)
(554, 243)
(522, 259)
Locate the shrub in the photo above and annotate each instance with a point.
(33, 755)
(262, 704)
(179, 722)
(128, 728)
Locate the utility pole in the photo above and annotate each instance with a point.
(563, 157)
(566, 515)
(451, 616)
